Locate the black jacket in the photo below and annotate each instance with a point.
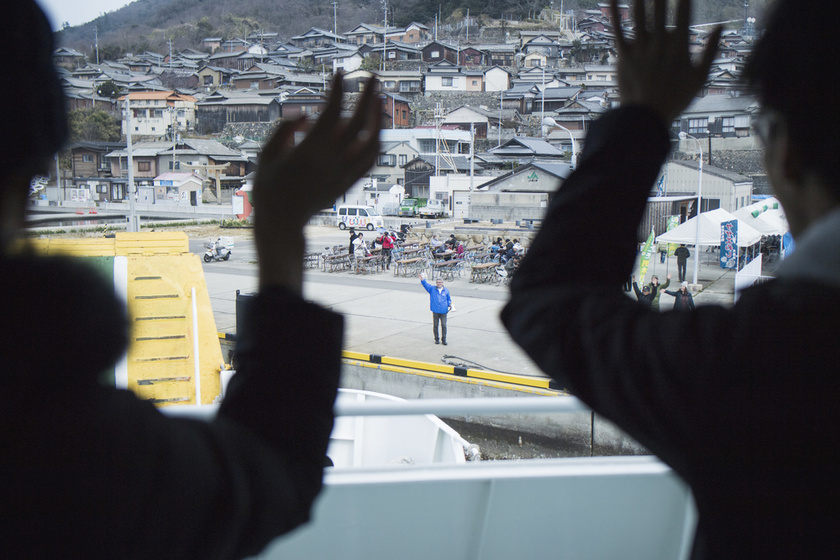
(89, 471)
(740, 401)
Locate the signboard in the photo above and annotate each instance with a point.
(729, 244)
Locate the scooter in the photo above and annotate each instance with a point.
(217, 251)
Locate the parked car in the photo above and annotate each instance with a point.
(356, 216)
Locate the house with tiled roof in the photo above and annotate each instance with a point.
(66, 57)
(365, 34)
(316, 38)
(153, 113)
(725, 116)
(523, 149)
(223, 106)
(437, 51)
(481, 119)
(152, 159)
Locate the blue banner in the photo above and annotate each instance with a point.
(729, 244)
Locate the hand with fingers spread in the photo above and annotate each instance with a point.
(295, 182)
(656, 69)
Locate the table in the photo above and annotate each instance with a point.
(483, 272)
(404, 266)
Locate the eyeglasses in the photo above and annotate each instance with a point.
(764, 124)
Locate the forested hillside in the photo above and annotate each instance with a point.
(151, 24)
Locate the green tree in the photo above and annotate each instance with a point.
(108, 89)
(110, 52)
(93, 125)
(371, 63)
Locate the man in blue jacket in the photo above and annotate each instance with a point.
(440, 302)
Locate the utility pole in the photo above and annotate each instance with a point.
(96, 41)
(384, 32)
(59, 194)
(335, 18)
(174, 138)
(472, 154)
(133, 224)
(438, 120)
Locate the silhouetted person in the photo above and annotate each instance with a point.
(89, 471)
(740, 401)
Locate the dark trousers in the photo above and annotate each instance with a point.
(386, 253)
(681, 270)
(439, 317)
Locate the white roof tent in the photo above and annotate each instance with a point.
(710, 230)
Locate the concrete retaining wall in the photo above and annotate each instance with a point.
(507, 206)
(573, 434)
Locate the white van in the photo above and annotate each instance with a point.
(359, 217)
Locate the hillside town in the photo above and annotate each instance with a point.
(487, 121)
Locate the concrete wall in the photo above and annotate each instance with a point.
(507, 206)
(574, 434)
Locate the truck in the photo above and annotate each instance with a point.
(433, 209)
(410, 206)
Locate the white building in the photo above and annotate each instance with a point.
(154, 112)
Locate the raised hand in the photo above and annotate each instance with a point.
(295, 182)
(656, 69)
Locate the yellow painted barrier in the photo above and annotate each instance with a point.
(157, 275)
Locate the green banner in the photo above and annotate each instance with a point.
(673, 221)
(647, 249)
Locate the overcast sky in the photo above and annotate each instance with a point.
(77, 12)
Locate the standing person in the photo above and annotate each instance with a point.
(360, 245)
(353, 236)
(645, 296)
(440, 303)
(682, 255)
(741, 399)
(683, 300)
(91, 471)
(656, 289)
(387, 246)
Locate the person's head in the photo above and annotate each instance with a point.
(646, 290)
(352, 230)
(34, 125)
(799, 127)
(684, 287)
(654, 280)
(361, 235)
(439, 283)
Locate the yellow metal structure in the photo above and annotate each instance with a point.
(158, 276)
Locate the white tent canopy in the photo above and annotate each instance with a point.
(769, 222)
(710, 230)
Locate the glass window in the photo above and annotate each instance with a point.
(87, 158)
(446, 82)
(144, 166)
(698, 126)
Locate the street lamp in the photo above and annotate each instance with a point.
(549, 123)
(683, 136)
